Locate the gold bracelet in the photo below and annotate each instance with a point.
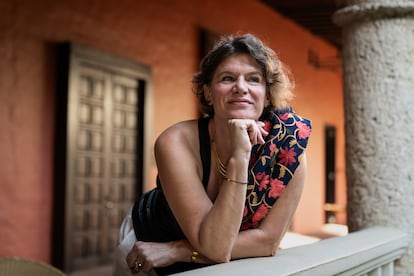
(194, 256)
(235, 181)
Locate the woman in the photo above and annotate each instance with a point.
(228, 184)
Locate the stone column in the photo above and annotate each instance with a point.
(378, 64)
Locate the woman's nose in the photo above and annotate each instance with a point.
(240, 86)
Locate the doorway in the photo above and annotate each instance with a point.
(99, 152)
(330, 174)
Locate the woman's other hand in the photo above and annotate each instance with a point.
(145, 256)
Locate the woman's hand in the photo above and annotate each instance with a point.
(245, 133)
(145, 256)
(259, 139)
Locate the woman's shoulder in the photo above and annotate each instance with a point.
(183, 132)
(178, 145)
(288, 116)
(287, 123)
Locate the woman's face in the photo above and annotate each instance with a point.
(238, 89)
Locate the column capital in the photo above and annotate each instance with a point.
(373, 11)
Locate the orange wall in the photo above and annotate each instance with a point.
(164, 35)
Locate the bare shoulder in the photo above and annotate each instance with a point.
(182, 135)
(177, 156)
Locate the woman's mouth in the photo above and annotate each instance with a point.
(240, 102)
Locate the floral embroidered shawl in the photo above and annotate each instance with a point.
(273, 164)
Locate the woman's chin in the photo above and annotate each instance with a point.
(244, 115)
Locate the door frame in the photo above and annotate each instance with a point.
(69, 56)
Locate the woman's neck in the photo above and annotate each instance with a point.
(219, 132)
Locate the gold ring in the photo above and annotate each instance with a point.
(138, 266)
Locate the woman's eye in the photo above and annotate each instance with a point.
(255, 79)
(227, 78)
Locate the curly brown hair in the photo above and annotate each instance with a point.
(279, 84)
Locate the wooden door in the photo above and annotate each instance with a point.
(101, 174)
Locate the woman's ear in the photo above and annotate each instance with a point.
(207, 94)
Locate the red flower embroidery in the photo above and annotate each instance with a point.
(264, 180)
(267, 126)
(287, 156)
(260, 175)
(281, 149)
(284, 116)
(277, 188)
(304, 130)
(245, 226)
(272, 148)
(259, 214)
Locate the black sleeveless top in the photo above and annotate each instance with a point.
(152, 218)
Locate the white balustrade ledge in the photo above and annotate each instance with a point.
(371, 251)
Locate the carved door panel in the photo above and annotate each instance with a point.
(103, 157)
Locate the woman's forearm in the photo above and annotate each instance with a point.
(249, 243)
(254, 243)
(221, 226)
(265, 240)
(185, 252)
